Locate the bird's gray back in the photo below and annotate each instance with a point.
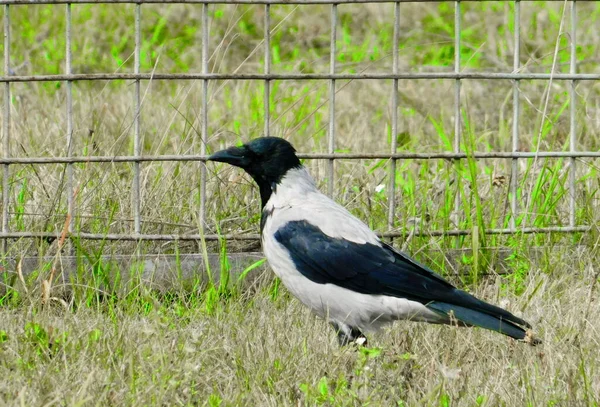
(297, 198)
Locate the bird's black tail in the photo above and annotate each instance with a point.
(502, 322)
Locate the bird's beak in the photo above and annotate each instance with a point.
(233, 155)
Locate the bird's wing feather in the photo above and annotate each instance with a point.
(370, 268)
(367, 268)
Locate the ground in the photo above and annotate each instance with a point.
(265, 348)
(105, 339)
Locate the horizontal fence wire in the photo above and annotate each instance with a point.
(302, 76)
(271, 2)
(253, 236)
(457, 74)
(310, 156)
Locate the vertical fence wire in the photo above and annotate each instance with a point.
(267, 102)
(514, 169)
(6, 130)
(573, 124)
(136, 124)
(394, 129)
(204, 124)
(69, 90)
(457, 118)
(331, 136)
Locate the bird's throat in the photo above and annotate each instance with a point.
(266, 189)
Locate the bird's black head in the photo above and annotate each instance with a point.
(266, 159)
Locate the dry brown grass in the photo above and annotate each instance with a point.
(146, 348)
(254, 350)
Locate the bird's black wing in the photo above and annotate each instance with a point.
(372, 269)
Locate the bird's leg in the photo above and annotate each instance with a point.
(347, 334)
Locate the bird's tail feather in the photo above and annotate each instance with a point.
(477, 318)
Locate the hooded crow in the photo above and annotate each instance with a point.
(335, 265)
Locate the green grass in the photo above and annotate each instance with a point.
(107, 336)
(199, 347)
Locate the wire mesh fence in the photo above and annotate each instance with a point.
(267, 77)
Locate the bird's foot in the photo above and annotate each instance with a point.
(361, 341)
(347, 334)
(530, 339)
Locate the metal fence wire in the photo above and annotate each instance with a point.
(267, 76)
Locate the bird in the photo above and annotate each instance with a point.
(338, 267)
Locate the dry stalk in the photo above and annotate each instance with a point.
(47, 283)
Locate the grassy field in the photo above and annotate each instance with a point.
(107, 341)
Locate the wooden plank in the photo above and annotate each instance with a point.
(166, 272)
(162, 272)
